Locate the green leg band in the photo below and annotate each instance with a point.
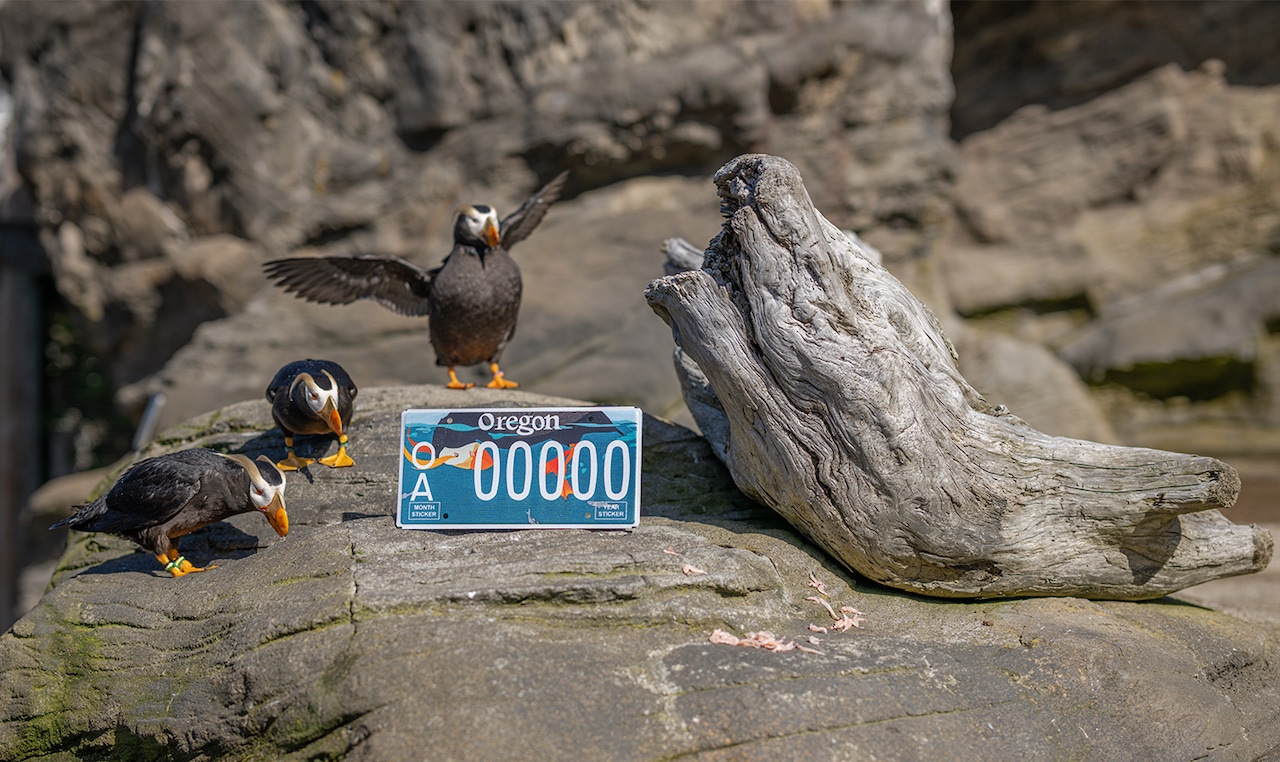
(174, 564)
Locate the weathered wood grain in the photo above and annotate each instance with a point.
(843, 409)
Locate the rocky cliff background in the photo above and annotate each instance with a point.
(1085, 191)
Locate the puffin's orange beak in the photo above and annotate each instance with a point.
(335, 420)
(491, 233)
(276, 516)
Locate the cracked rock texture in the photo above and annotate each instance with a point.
(353, 639)
(169, 149)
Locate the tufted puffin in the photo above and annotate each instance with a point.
(163, 498)
(472, 299)
(312, 397)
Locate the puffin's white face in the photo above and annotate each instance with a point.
(481, 222)
(267, 493)
(316, 397)
(323, 402)
(268, 485)
(266, 490)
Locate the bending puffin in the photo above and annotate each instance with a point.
(472, 299)
(312, 397)
(161, 499)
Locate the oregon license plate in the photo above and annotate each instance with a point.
(509, 468)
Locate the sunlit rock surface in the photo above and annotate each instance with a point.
(351, 638)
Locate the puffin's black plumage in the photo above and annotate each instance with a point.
(161, 499)
(473, 298)
(312, 397)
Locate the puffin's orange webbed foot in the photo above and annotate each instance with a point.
(499, 379)
(454, 383)
(293, 462)
(340, 459)
(178, 565)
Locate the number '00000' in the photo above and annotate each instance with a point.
(520, 469)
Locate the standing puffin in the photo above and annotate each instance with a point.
(312, 397)
(163, 498)
(472, 299)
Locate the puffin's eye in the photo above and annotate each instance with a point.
(257, 491)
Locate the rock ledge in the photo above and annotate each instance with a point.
(353, 639)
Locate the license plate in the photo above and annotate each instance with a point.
(520, 468)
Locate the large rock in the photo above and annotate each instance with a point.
(351, 638)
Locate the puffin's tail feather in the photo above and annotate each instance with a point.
(67, 521)
(84, 514)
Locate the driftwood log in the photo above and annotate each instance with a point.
(833, 396)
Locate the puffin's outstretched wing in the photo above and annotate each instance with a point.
(392, 282)
(519, 224)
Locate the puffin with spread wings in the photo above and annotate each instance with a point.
(472, 299)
